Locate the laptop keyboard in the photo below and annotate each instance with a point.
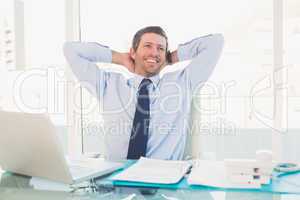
(86, 167)
(78, 171)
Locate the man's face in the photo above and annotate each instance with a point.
(150, 55)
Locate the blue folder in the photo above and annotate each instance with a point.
(284, 184)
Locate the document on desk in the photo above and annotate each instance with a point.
(213, 173)
(149, 170)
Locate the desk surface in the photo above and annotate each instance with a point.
(18, 187)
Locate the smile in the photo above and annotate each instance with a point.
(151, 61)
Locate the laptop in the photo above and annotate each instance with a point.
(29, 145)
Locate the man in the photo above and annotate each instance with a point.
(145, 111)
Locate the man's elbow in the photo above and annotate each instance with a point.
(69, 50)
(67, 47)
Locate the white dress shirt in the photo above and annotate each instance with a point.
(170, 94)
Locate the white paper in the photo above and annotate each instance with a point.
(154, 171)
(213, 173)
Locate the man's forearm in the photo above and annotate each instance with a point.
(206, 46)
(123, 59)
(90, 51)
(116, 57)
(204, 53)
(82, 58)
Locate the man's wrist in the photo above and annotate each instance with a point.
(116, 57)
(174, 57)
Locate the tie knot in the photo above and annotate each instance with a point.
(145, 82)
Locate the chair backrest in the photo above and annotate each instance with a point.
(192, 147)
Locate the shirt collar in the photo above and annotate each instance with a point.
(136, 79)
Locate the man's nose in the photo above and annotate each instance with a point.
(154, 52)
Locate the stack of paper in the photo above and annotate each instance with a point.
(214, 174)
(154, 171)
(242, 174)
(246, 171)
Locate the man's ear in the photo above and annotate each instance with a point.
(169, 57)
(132, 53)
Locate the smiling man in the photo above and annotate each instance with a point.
(146, 111)
(148, 52)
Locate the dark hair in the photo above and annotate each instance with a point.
(151, 29)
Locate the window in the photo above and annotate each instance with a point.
(32, 64)
(291, 45)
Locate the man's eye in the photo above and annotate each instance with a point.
(161, 49)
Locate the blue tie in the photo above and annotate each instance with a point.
(139, 133)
